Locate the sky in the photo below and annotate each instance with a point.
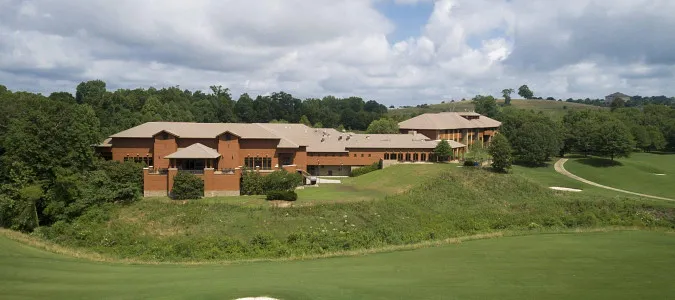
(398, 52)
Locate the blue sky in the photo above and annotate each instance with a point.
(408, 18)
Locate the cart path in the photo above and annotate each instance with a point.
(560, 168)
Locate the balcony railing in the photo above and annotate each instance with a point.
(194, 172)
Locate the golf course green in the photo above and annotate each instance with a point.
(595, 265)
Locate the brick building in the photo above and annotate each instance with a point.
(218, 152)
(468, 128)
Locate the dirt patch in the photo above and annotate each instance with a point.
(281, 203)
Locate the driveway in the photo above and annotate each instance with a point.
(560, 168)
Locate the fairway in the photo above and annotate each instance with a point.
(646, 173)
(601, 265)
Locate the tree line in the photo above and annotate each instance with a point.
(535, 138)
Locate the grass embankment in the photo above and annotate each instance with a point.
(600, 265)
(452, 202)
(553, 109)
(646, 173)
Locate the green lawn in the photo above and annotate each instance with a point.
(371, 186)
(601, 265)
(635, 174)
(548, 177)
(554, 109)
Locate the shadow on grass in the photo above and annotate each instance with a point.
(599, 162)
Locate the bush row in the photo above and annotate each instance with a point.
(367, 169)
(254, 183)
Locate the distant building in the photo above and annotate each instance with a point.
(610, 98)
(467, 128)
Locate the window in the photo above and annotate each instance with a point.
(400, 156)
(424, 157)
(354, 155)
(386, 156)
(264, 163)
(416, 157)
(361, 154)
(368, 155)
(407, 156)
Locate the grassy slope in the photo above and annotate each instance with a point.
(455, 202)
(554, 109)
(601, 265)
(635, 174)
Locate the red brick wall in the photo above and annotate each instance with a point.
(229, 151)
(258, 148)
(163, 148)
(184, 143)
(123, 147)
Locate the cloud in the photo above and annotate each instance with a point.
(577, 48)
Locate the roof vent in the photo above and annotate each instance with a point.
(340, 138)
(322, 139)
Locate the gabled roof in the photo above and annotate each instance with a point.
(196, 130)
(448, 120)
(195, 151)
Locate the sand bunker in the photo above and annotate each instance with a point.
(557, 188)
(660, 174)
(257, 298)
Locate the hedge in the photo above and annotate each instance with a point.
(282, 195)
(365, 170)
(187, 186)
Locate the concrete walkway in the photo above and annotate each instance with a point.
(560, 168)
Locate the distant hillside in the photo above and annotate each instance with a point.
(555, 109)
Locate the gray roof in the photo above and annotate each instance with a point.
(196, 130)
(195, 151)
(448, 120)
(289, 136)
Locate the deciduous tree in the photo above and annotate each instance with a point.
(525, 92)
(501, 152)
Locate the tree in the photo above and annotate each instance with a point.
(486, 105)
(90, 92)
(383, 125)
(318, 125)
(525, 92)
(500, 150)
(443, 151)
(612, 139)
(506, 93)
(341, 128)
(244, 109)
(617, 103)
(187, 186)
(656, 138)
(305, 120)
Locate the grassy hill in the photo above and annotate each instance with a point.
(445, 202)
(596, 265)
(554, 109)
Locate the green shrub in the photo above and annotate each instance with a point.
(281, 181)
(469, 163)
(187, 186)
(253, 183)
(282, 195)
(365, 170)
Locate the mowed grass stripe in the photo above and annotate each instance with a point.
(637, 173)
(601, 265)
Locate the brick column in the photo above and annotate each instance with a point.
(170, 175)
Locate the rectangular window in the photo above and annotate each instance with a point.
(368, 155)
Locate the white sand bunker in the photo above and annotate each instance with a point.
(257, 298)
(660, 174)
(557, 188)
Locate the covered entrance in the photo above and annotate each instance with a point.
(194, 159)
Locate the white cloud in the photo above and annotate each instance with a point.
(577, 48)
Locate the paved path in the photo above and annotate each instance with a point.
(560, 168)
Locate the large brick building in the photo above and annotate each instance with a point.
(218, 152)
